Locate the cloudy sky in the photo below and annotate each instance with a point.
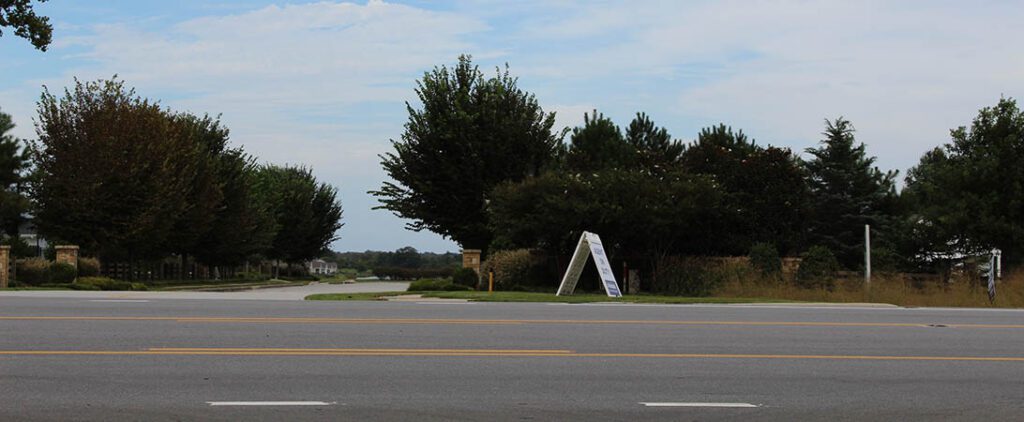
(324, 83)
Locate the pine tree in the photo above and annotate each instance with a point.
(13, 164)
(598, 145)
(847, 192)
(655, 149)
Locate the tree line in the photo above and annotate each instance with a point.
(404, 257)
(127, 180)
(480, 163)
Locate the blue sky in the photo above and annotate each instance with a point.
(324, 83)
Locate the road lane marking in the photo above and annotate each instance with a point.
(428, 321)
(489, 353)
(697, 404)
(271, 403)
(303, 350)
(120, 300)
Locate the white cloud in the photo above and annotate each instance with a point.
(903, 72)
(323, 83)
(570, 116)
(291, 82)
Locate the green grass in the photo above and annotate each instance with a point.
(543, 297)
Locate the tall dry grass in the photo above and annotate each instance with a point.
(886, 288)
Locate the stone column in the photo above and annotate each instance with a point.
(5, 262)
(67, 254)
(471, 259)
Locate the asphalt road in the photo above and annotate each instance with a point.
(82, 358)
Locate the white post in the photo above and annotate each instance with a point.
(999, 263)
(867, 254)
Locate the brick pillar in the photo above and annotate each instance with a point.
(67, 254)
(5, 262)
(471, 259)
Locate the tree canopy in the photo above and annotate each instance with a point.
(113, 171)
(765, 189)
(654, 147)
(126, 179)
(307, 214)
(20, 16)
(968, 195)
(471, 134)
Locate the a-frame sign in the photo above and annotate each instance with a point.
(590, 244)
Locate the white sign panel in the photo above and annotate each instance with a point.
(590, 244)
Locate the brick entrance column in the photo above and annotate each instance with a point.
(471, 259)
(5, 262)
(67, 254)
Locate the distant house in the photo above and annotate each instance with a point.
(321, 267)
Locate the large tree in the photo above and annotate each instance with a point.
(113, 171)
(847, 192)
(765, 189)
(242, 224)
(204, 189)
(968, 196)
(13, 164)
(19, 15)
(471, 134)
(307, 214)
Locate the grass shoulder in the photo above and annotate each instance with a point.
(354, 296)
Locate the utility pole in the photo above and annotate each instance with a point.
(867, 254)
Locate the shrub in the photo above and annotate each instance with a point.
(885, 259)
(688, 276)
(62, 272)
(33, 271)
(88, 267)
(764, 257)
(452, 287)
(818, 268)
(466, 277)
(435, 285)
(516, 267)
(79, 286)
(104, 283)
(307, 277)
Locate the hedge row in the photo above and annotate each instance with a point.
(38, 271)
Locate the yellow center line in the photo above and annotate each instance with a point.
(429, 321)
(279, 349)
(486, 353)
